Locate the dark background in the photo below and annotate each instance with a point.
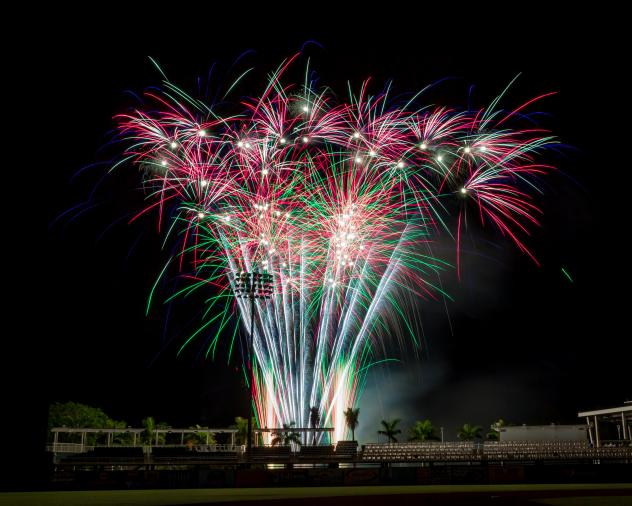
(520, 342)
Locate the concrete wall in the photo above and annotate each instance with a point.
(544, 433)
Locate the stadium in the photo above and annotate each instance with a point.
(523, 454)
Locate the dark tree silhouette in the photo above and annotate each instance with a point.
(286, 436)
(494, 433)
(351, 419)
(390, 430)
(422, 431)
(469, 432)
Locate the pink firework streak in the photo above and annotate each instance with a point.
(339, 202)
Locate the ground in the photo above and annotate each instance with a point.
(498, 495)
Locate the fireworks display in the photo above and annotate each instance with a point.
(337, 200)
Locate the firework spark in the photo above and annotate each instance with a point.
(339, 202)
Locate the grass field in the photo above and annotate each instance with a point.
(554, 495)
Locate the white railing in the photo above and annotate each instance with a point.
(68, 448)
(79, 448)
(219, 448)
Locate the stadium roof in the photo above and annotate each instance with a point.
(609, 411)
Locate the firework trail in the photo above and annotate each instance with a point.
(339, 202)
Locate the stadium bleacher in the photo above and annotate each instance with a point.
(490, 451)
(467, 451)
(346, 449)
(109, 454)
(316, 452)
(194, 454)
(420, 451)
(271, 453)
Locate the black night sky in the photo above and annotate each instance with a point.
(521, 342)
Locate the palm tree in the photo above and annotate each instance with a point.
(390, 430)
(148, 434)
(351, 419)
(494, 433)
(241, 424)
(286, 436)
(199, 438)
(422, 431)
(469, 432)
(314, 421)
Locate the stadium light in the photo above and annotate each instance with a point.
(252, 285)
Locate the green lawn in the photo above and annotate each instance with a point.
(586, 501)
(206, 496)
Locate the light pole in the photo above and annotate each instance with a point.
(252, 285)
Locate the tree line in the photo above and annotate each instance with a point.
(80, 416)
(423, 430)
(76, 415)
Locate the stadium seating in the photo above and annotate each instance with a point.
(271, 453)
(534, 450)
(346, 449)
(184, 454)
(420, 451)
(109, 455)
(172, 453)
(428, 451)
(490, 451)
(316, 452)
